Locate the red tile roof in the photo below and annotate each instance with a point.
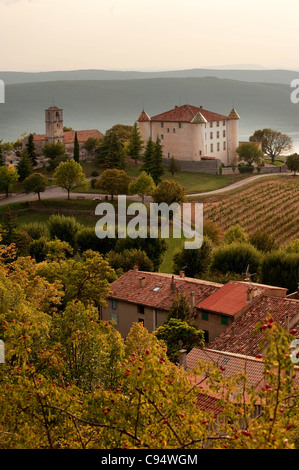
(187, 113)
(127, 288)
(69, 136)
(229, 300)
(230, 365)
(239, 337)
(143, 117)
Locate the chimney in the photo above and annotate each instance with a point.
(287, 323)
(141, 281)
(172, 285)
(135, 268)
(182, 273)
(250, 294)
(192, 302)
(183, 358)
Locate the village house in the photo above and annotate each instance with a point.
(218, 309)
(55, 133)
(189, 133)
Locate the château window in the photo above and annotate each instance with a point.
(162, 124)
(167, 130)
(180, 125)
(212, 148)
(218, 147)
(224, 134)
(224, 123)
(211, 135)
(218, 135)
(224, 145)
(211, 124)
(174, 131)
(217, 123)
(161, 137)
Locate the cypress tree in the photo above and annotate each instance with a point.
(30, 146)
(76, 149)
(135, 144)
(110, 152)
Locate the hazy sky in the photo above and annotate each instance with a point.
(39, 35)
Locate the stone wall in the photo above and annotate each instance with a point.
(210, 167)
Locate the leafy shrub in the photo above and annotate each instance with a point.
(64, 228)
(35, 230)
(86, 239)
(236, 257)
(281, 269)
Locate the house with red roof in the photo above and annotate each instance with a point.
(190, 133)
(228, 311)
(55, 132)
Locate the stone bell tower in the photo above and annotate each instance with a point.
(54, 125)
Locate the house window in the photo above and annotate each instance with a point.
(212, 148)
(206, 336)
(114, 304)
(141, 320)
(114, 318)
(205, 316)
(180, 125)
(140, 308)
(224, 320)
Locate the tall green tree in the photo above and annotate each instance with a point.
(110, 152)
(55, 152)
(250, 153)
(24, 166)
(68, 175)
(274, 143)
(157, 169)
(148, 156)
(76, 148)
(135, 144)
(30, 146)
(173, 166)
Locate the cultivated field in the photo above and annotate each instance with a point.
(272, 206)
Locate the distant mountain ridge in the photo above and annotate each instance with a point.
(100, 104)
(257, 76)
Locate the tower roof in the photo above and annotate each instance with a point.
(199, 119)
(233, 114)
(53, 108)
(143, 117)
